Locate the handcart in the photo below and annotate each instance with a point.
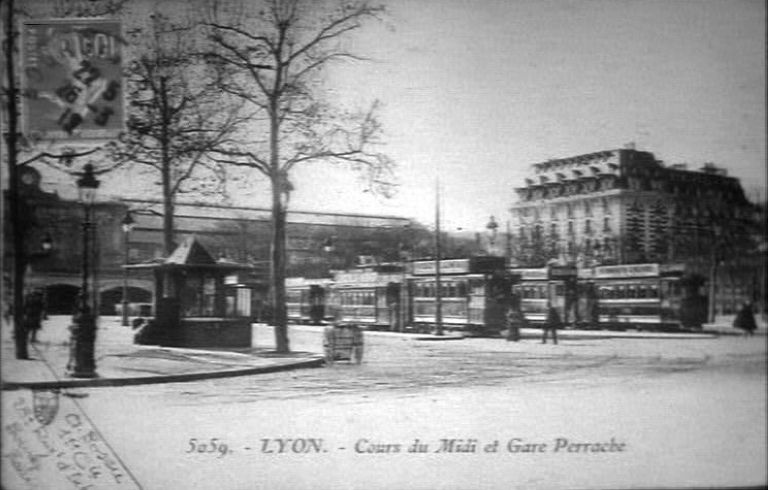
(343, 342)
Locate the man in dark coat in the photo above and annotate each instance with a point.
(745, 320)
(552, 323)
(515, 319)
(34, 311)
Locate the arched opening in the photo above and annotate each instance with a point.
(60, 299)
(112, 298)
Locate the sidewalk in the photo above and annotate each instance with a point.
(120, 362)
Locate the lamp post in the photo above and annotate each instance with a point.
(717, 233)
(438, 256)
(492, 227)
(128, 224)
(83, 329)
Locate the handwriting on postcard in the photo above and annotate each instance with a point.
(48, 442)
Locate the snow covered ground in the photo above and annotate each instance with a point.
(583, 414)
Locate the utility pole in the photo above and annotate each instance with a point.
(438, 253)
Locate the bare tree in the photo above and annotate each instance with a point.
(176, 115)
(273, 56)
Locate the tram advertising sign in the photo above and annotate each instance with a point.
(72, 79)
(631, 270)
(562, 272)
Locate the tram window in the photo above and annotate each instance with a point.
(450, 290)
(559, 290)
(461, 289)
(631, 292)
(653, 291)
(605, 293)
(642, 291)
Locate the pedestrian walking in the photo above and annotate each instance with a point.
(552, 323)
(515, 319)
(34, 311)
(745, 320)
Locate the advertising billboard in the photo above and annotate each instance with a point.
(72, 79)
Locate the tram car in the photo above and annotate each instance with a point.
(368, 296)
(473, 300)
(305, 300)
(616, 297)
(537, 288)
(640, 296)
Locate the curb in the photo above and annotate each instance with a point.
(170, 378)
(440, 339)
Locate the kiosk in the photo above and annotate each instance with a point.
(196, 304)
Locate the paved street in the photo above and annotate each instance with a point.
(401, 366)
(672, 412)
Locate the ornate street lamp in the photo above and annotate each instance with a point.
(128, 224)
(47, 243)
(83, 329)
(328, 246)
(492, 227)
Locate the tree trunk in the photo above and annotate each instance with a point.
(17, 227)
(168, 208)
(279, 182)
(278, 270)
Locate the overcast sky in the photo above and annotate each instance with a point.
(477, 91)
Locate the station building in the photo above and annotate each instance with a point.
(239, 234)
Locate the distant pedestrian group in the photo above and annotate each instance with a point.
(515, 321)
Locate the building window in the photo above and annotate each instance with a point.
(569, 210)
(607, 224)
(553, 230)
(587, 208)
(588, 227)
(570, 227)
